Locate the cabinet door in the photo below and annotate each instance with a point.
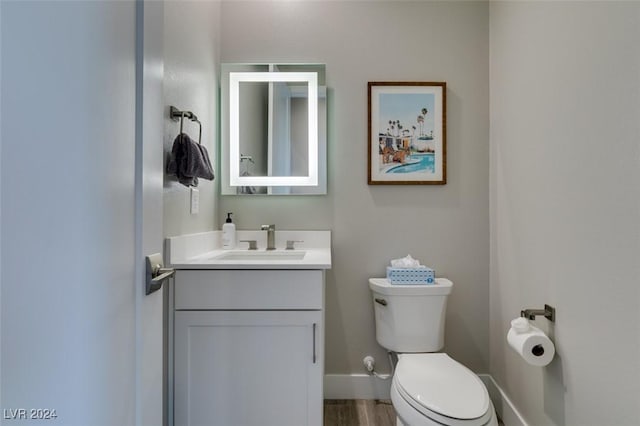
(246, 368)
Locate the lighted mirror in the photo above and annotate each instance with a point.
(273, 129)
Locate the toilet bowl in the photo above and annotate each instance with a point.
(434, 389)
(428, 387)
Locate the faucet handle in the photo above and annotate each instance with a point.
(290, 244)
(253, 244)
(268, 227)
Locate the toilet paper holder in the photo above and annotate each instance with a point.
(549, 312)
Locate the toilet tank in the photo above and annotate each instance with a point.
(410, 318)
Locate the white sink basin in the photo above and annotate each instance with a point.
(262, 255)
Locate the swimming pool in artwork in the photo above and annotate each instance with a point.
(422, 163)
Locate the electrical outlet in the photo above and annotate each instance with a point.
(195, 201)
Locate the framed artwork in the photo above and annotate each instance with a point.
(407, 133)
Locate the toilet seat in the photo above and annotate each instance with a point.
(442, 389)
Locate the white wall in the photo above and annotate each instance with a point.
(191, 52)
(565, 205)
(446, 226)
(68, 146)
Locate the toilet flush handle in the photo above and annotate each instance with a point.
(381, 301)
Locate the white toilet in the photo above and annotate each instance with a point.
(428, 388)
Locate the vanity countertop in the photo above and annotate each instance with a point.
(203, 251)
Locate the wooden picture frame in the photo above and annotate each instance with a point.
(407, 133)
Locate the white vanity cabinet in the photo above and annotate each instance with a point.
(248, 347)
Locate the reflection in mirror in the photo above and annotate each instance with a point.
(273, 138)
(278, 138)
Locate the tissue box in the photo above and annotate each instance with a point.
(407, 276)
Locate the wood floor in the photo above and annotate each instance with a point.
(361, 412)
(358, 412)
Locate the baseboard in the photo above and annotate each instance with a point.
(503, 405)
(355, 386)
(363, 386)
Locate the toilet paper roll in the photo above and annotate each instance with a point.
(533, 345)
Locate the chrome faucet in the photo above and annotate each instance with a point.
(271, 236)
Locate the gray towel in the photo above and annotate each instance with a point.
(189, 161)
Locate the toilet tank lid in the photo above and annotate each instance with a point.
(441, 287)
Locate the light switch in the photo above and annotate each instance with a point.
(195, 201)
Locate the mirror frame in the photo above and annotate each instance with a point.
(235, 78)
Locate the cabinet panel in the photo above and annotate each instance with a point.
(248, 368)
(249, 289)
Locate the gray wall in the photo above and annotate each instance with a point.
(191, 67)
(444, 226)
(565, 205)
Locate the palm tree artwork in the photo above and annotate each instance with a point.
(407, 138)
(421, 119)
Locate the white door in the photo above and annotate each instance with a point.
(80, 187)
(249, 368)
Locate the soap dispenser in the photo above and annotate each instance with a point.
(229, 234)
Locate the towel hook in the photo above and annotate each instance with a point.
(249, 160)
(176, 115)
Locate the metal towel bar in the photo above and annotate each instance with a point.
(177, 114)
